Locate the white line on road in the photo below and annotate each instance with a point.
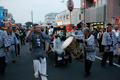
(108, 61)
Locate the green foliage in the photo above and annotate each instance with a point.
(28, 23)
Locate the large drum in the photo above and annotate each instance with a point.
(73, 47)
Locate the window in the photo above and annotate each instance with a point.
(100, 3)
(104, 2)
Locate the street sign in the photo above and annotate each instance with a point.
(70, 5)
(82, 9)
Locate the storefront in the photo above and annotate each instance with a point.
(95, 25)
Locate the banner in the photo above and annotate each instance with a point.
(116, 20)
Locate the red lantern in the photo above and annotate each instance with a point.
(70, 5)
(95, 1)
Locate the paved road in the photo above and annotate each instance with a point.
(23, 70)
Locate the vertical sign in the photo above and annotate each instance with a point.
(1, 16)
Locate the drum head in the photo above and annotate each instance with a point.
(67, 42)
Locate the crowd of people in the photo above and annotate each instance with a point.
(10, 39)
(103, 36)
(39, 39)
(106, 39)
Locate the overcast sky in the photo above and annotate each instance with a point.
(21, 9)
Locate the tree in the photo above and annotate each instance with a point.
(28, 23)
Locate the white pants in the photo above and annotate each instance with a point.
(40, 66)
(116, 50)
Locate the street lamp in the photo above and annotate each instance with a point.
(83, 4)
(76, 10)
(71, 14)
(95, 1)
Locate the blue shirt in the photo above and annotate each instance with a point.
(37, 43)
(109, 40)
(13, 41)
(3, 42)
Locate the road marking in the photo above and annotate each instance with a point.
(108, 61)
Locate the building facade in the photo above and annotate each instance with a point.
(6, 19)
(50, 18)
(98, 14)
(63, 18)
(10, 16)
(5, 14)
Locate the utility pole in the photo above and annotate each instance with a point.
(84, 13)
(32, 17)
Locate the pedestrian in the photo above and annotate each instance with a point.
(51, 31)
(89, 51)
(22, 33)
(99, 38)
(98, 29)
(109, 42)
(79, 35)
(36, 37)
(46, 30)
(117, 34)
(95, 32)
(59, 52)
(30, 45)
(43, 31)
(13, 41)
(73, 30)
(3, 50)
(17, 48)
(104, 29)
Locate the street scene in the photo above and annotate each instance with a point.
(60, 40)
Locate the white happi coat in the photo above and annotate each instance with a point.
(90, 49)
(108, 40)
(117, 34)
